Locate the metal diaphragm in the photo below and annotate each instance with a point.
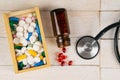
(87, 47)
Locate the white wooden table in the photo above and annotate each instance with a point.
(86, 17)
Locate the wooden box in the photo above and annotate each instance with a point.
(17, 61)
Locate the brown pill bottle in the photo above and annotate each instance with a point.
(60, 27)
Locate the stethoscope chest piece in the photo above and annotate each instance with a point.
(87, 47)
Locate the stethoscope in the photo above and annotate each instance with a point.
(87, 47)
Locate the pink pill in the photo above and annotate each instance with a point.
(14, 36)
(23, 18)
(33, 18)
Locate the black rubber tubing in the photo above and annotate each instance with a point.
(101, 33)
(116, 44)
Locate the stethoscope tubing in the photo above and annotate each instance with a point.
(101, 33)
(116, 50)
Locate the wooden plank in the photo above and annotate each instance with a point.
(53, 72)
(51, 4)
(52, 49)
(110, 74)
(110, 4)
(108, 58)
(108, 18)
(81, 23)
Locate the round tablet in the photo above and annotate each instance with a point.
(30, 29)
(33, 19)
(25, 43)
(17, 50)
(33, 24)
(26, 26)
(19, 34)
(19, 29)
(41, 50)
(16, 41)
(30, 60)
(36, 47)
(32, 39)
(44, 61)
(24, 61)
(28, 20)
(36, 59)
(35, 33)
(23, 18)
(38, 43)
(25, 35)
(22, 40)
(18, 54)
(21, 23)
(23, 49)
(26, 52)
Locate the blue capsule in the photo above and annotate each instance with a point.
(39, 63)
(38, 31)
(14, 19)
(29, 34)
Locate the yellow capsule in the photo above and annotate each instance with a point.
(41, 57)
(32, 52)
(21, 57)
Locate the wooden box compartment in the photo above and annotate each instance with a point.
(26, 39)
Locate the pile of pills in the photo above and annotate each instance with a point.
(27, 41)
(62, 58)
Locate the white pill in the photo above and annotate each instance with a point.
(38, 43)
(30, 29)
(33, 24)
(44, 60)
(41, 50)
(28, 20)
(36, 59)
(24, 61)
(16, 40)
(22, 40)
(36, 47)
(35, 34)
(26, 67)
(30, 47)
(23, 49)
(21, 23)
(17, 51)
(38, 54)
(19, 29)
(26, 26)
(30, 60)
(25, 43)
(25, 35)
(26, 52)
(30, 15)
(18, 54)
(19, 34)
(32, 39)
